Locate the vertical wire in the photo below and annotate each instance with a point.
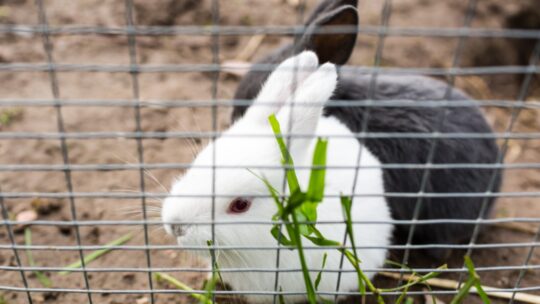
(524, 92)
(515, 111)
(526, 263)
(385, 19)
(11, 236)
(215, 82)
(140, 148)
(47, 45)
(300, 17)
(441, 118)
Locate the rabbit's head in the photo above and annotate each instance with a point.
(224, 184)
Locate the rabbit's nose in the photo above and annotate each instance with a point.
(179, 229)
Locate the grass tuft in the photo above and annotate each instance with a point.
(42, 278)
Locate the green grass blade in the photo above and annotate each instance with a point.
(211, 284)
(42, 278)
(360, 275)
(294, 201)
(403, 295)
(315, 191)
(394, 263)
(292, 179)
(472, 273)
(346, 204)
(158, 276)
(411, 282)
(481, 292)
(280, 296)
(464, 291)
(312, 297)
(433, 299)
(94, 255)
(420, 280)
(273, 192)
(470, 267)
(305, 229)
(209, 243)
(280, 237)
(323, 242)
(319, 275)
(363, 280)
(320, 240)
(406, 289)
(209, 288)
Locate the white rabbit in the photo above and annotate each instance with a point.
(238, 191)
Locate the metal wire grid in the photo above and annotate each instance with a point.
(131, 31)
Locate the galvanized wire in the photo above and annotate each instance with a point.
(25, 30)
(137, 116)
(213, 68)
(47, 45)
(249, 292)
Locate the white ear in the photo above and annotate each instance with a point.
(304, 108)
(281, 85)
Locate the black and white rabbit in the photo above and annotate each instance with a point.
(240, 194)
(354, 85)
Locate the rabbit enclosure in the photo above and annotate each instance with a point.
(104, 103)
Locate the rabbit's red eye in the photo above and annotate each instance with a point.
(239, 205)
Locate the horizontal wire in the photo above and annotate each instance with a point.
(486, 221)
(210, 134)
(213, 68)
(161, 166)
(258, 292)
(406, 103)
(249, 248)
(263, 270)
(131, 195)
(442, 32)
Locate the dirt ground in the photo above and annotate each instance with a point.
(197, 86)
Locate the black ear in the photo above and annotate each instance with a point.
(331, 46)
(329, 5)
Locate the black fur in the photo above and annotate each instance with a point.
(354, 87)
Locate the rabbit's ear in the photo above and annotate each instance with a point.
(303, 110)
(280, 86)
(326, 6)
(323, 34)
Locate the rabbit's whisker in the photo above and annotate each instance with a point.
(145, 171)
(192, 144)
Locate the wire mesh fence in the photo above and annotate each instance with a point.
(104, 105)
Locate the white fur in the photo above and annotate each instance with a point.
(314, 87)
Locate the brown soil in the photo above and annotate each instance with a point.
(95, 49)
